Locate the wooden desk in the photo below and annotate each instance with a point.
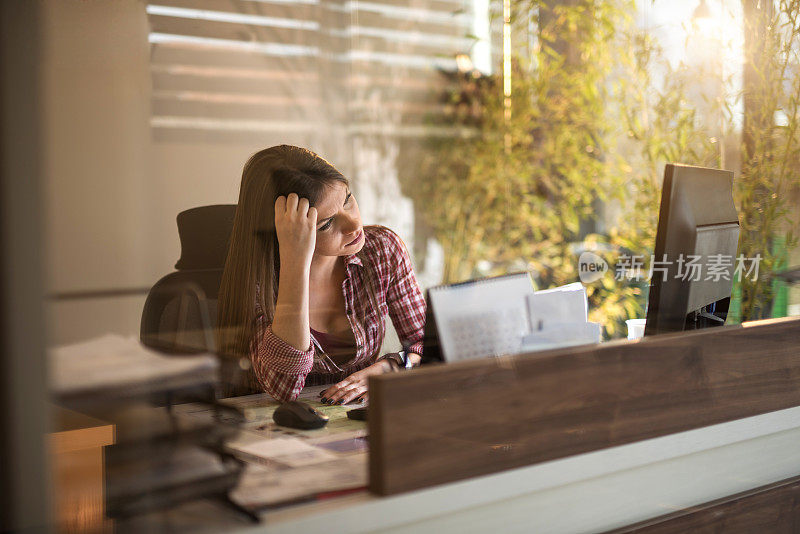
(485, 416)
(659, 435)
(78, 471)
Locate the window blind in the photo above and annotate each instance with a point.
(230, 68)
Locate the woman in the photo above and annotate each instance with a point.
(307, 287)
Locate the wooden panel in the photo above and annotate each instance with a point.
(411, 43)
(255, 137)
(273, 31)
(298, 86)
(285, 109)
(303, 10)
(472, 418)
(77, 465)
(250, 86)
(456, 28)
(246, 33)
(274, 108)
(167, 55)
(774, 508)
(294, 10)
(448, 6)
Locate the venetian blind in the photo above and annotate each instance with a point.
(302, 68)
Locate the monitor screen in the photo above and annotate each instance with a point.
(696, 245)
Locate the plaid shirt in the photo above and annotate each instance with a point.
(282, 370)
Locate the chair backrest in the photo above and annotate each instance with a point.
(180, 312)
(205, 234)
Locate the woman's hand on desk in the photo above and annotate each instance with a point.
(355, 385)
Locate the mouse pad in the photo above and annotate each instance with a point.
(258, 408)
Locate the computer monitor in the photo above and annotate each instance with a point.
(697, 225)
(431, 347)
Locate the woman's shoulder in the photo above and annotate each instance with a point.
(385, 254)
(382, 242)
(382, 233)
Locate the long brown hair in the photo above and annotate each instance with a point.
(253, 265)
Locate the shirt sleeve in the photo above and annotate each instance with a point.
(403, 296)
(280, 368)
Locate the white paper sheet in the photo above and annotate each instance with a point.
(558, 317)
(565, 304)
(292, 452)
(563, 335)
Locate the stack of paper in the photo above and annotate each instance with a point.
(118, 365)
(559, 318)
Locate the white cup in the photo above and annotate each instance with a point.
(635, 328)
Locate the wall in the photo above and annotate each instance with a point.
(97, 165)
(113, 191)
(114, 184)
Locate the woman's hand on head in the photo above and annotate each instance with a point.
(296, 226)
(354, 386)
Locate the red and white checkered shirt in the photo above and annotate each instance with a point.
(282, 370)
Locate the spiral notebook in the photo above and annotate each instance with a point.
(478, 318)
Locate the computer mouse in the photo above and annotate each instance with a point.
(358, 414)
(298, 414)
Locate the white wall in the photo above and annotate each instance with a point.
(96, 109)
(112, 193)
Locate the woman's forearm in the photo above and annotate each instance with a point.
(291, 321)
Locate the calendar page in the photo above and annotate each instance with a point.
(481, 318)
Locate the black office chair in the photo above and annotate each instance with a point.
(180, 312)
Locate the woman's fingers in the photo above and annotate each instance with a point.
(325, 395)
(348, 393)
(338, 391)
(291, 202)
(295, 223)
(302, 207)
(293, 205)
(353, 394)
(343, 392)
(280, 204)
(331, 391)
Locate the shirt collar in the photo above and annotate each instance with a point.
(353, 259)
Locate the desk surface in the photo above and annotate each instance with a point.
(76, 431)
(286, 466)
